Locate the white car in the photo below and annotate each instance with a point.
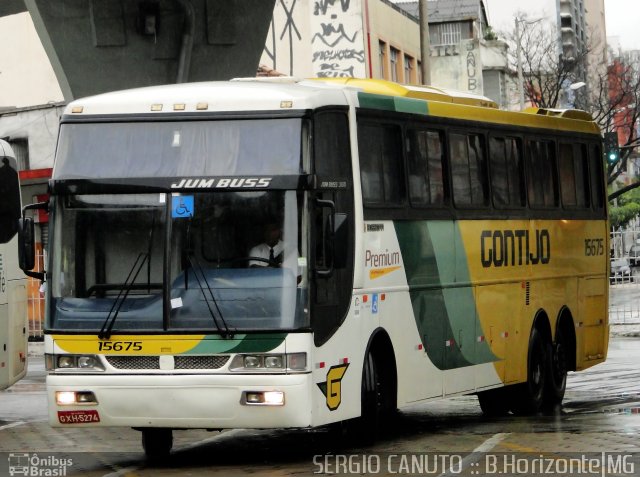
(620, 270)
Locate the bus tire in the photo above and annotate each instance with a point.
(556, 379)
(494, 402)
(528, 397)
(157, 443)
(372, 400)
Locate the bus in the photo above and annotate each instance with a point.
(428, 245)
(13, 284)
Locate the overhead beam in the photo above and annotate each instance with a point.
(103, 45)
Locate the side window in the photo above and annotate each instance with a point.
(567, 175)
(596, 173)
(468, 169)
(381, 170)
(506, 172)
(542, 180)
(581, 169)
(332, 153)
(574, 179)
(424, 162)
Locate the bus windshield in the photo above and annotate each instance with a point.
(180, 148)
(225, 262)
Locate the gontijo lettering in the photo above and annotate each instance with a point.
(514, 247)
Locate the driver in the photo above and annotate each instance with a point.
(272, 247)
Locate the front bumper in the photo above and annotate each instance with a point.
(184, 401)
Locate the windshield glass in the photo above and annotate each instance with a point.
(176, 149)
(238, 261)
(99, 243)
(235, 261)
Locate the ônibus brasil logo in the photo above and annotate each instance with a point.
(36, 465)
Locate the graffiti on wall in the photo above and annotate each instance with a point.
(337, 39)
(283, 50)
(321, 38)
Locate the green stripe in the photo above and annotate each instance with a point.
(443, 302)
(253, 343)
(393, 103)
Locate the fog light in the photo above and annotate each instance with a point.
(65, 398)
(266, 398)
(254, 398)
(274, 398)
(273, 362)
(86, 397)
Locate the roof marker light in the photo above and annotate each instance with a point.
(179, 107)
(156, 107)
(77, 109)
(286, 104)
(202, 106)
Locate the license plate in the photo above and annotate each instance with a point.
(78, 417)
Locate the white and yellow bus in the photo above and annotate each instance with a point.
(429, 245)
(13, 284)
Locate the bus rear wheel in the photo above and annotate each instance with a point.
(528, 397)
(556, 382)
(157, 443)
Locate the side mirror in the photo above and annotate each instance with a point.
(27, 244)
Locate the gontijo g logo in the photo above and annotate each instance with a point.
(332, 387)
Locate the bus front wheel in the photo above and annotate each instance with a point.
(157, 443)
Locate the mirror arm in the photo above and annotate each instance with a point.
(36, 206)
(38, 275)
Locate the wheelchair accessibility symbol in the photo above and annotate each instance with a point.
(182, 206)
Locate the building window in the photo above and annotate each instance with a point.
(382, 57)
(445, 33)
(394, 56)
(21, 150)
(409, 76)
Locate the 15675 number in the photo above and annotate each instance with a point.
(120, 346)
(593, 247)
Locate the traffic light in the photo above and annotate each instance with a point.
(611, 149)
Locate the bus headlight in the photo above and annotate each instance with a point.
(273, 363)
(73, 362)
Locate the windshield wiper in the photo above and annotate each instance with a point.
(224, 331)
(107, 326)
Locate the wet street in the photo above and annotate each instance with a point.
(601, 414)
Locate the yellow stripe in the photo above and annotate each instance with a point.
(128, 344)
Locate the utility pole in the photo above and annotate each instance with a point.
(519, 61)
(425, 48)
